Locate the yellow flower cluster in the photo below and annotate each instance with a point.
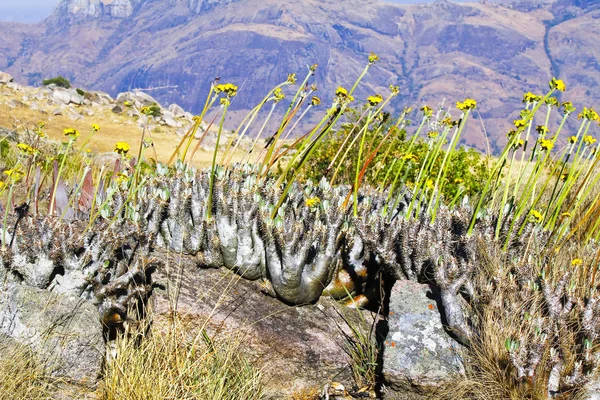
(542, 129)
(374, 100)
(228, 88)
(568, 107)
(291, 79)
(122, 148)
(576, 262)
(14, 174)
(558, 85)
(520, 123)
(546, 144)
(343, 95)
(427, 111)
(373, 58)
(25, 148)
(466, 105)
(312, 202)
(278, 94)
(71, 132)
(531, 98)
(432, 134)
(589, 113)
(95, 127)
(315, 101)
(589, 139)
(536, 216)
(572, 139)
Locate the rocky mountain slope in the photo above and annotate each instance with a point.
(441, 50)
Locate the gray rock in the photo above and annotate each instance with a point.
(592, 391)
(34, 107)
(137, 98)
(178, 112)
(14, 86)
(74, 116)
(5, 78)
(57, 111)
(117, 109)
(419, 355)
(296, 347)
(169, 119)
(61, 96)
(65, 331)
(15, 103)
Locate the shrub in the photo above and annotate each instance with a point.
(58, 81)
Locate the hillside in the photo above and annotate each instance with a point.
(442, 50)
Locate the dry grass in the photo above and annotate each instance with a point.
(113, 128)
(171, 363)
(22, 375)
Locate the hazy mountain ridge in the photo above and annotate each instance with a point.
(436, 51)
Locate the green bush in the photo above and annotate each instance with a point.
(58, 81)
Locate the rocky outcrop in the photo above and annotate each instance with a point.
(5, 78)
(64, 331)
(295, 347)
(419, 355)
(98, 8)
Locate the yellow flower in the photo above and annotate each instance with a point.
(429, 184)
(576, 262)
(589, 114)
(573, 139)
(519, 123)
(196, 118)
(343, 95)
(2, 184)
(511, 134)
(127, 104)
(341, 92)
(225, 101)
(122, 148)
(14, 174)
(432, 134)
(374, 100)
(427, 111)
(536, 216)
(122, 178)
(566, 215)
(519, 143)
(466, 105)
(313, 67)
(278, 94)
(568, 107)
(25, 148)
(589, 139)
(71, 132)
(315, 101)
(228, 88)
(448, 122)
(95, 127)
(394, 89)
(563, 177)
(373, 58)
(531, 98)
(546, 144)
(552, 101)
(458, 180)
(410, 157)
(558, 85)
(291, 79)
(542, 129)
(312, 202)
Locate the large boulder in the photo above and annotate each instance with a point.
(137, 98)
(5, 78)
(419, 355)
(64, 331)
(66, 96)
(297, 348)
(177, 111)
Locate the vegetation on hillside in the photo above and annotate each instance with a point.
(530, 302)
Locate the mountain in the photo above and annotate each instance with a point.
(174, 49)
